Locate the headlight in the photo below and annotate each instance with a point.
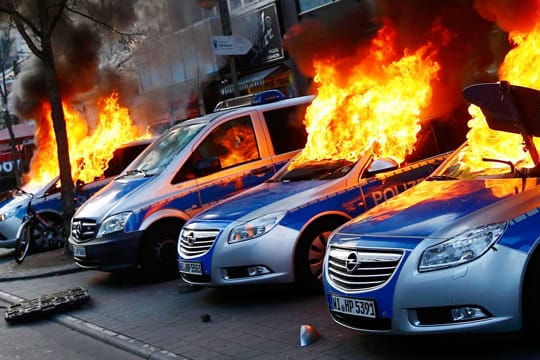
(6, 215)
(113, 223)
(461, 248)
(255, 227)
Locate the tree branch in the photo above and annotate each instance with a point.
(20, 22)
(57, 16)
(97, 21)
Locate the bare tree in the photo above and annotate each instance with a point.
(37, 26)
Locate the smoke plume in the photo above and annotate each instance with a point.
(77, 45)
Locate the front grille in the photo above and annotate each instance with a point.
(83, 229)
(361, 323)
(354, 269)
(196, 242)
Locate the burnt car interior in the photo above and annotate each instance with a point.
(513, 109)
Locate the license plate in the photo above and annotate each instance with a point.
(79, 251)
(188, 267)
(358, 307)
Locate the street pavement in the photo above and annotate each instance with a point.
(171, 320)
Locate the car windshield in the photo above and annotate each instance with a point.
(316, 170)
(161, 152)
(459, 167)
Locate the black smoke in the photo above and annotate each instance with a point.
(77, 44)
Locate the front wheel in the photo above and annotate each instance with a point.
(24, 243)
(310, 254)
(158, 253)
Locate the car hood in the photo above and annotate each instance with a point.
(109, 198)
(265, 198)
(433, 206)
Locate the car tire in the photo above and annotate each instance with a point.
(531, 298)
(158, 252)
(310, 253)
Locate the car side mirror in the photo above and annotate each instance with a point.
(382, 165)
(207, 166)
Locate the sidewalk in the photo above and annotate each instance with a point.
(44, 264)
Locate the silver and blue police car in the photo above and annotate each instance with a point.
(276, 232)
(456, 253)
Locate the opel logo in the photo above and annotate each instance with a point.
(191, 238)
(351, 262)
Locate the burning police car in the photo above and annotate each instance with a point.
(458, 252)
(46, 199)
(277, 231)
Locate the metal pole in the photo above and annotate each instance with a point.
(226, 29)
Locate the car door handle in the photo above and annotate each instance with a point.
(261, 171)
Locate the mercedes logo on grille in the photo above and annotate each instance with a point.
(351, 262)
(78, 229)
(190, 238)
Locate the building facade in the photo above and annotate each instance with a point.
(184, 71)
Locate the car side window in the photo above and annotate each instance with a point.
(286, 128)
(230, 144)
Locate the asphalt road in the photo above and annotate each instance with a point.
(169, 320)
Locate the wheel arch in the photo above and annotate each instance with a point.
(337, 216)
(334, 217)
(161, 215)
(51, 214)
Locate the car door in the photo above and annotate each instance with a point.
(227, 161)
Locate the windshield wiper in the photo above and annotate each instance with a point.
(134, 172)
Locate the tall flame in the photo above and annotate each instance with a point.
(89, 152)
(521, 67)
(377, 105)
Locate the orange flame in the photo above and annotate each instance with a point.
(240, 144)
(377, 105)
(520, 67)
(89, 152)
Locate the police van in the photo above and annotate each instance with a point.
(134, 221)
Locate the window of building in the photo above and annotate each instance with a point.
(308, 5)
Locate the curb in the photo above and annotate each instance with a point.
(40, 274)
(107, 336)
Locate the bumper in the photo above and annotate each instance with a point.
(8, 232)
(422, 303)
(8, 244)
(235, 264)
(118, 251)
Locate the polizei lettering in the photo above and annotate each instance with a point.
(380, 196)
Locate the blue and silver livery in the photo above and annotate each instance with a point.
(134, 222)
(458, 252)
(277, 231)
